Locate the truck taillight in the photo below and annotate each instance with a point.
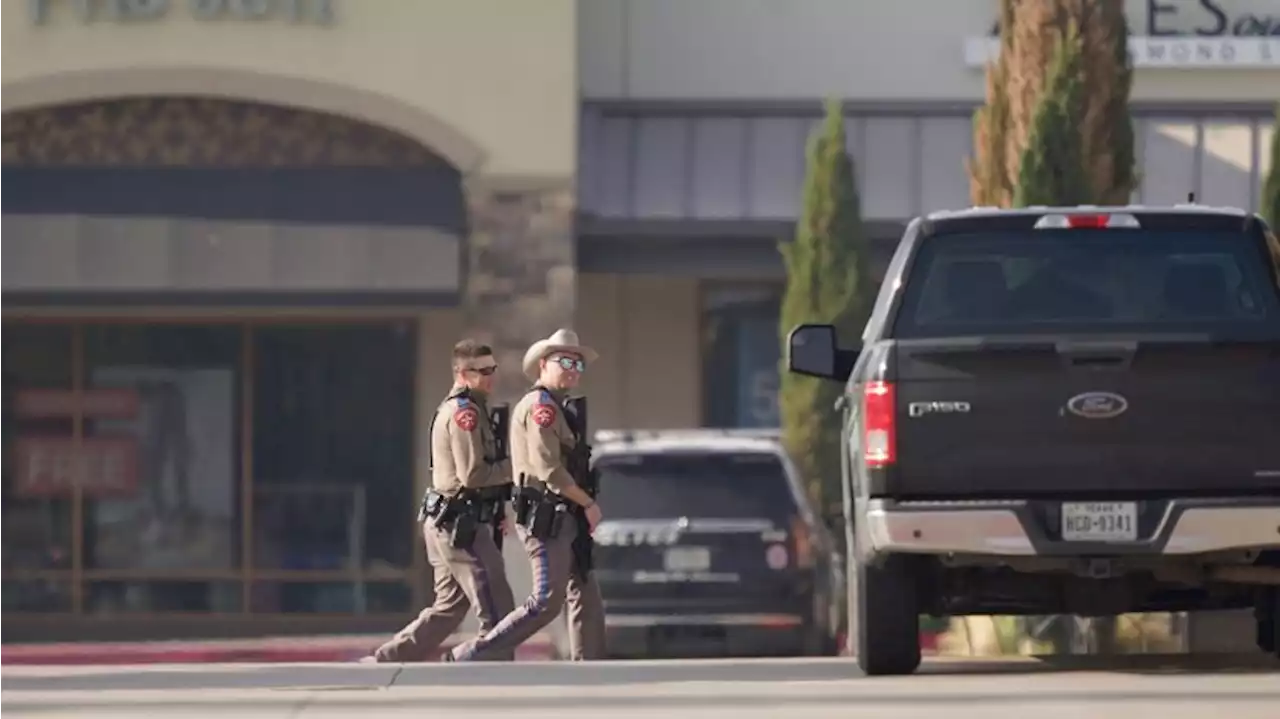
(1088, 221)
(878, 414)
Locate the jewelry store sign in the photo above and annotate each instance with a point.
(1189, 34)
(302, 12)
(1236, 53)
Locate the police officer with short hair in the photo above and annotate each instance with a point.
(463, 515)
(555, 509)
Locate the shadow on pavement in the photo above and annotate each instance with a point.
(355, 676)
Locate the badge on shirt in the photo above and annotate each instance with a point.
(466, 418)
(544, 415)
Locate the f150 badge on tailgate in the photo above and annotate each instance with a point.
(920, 409)
(1097, 405)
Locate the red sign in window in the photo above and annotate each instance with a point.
(46, 466)
(96, 403)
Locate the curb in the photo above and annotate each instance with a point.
(276, 652)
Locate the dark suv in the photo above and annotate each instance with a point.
(1062, 411)
(709, 548)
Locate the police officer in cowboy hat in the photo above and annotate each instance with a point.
(547, 441)
(471, 483)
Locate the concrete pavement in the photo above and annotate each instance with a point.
(293, 650)
(1175, 687)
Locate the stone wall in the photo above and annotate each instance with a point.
(520, 270)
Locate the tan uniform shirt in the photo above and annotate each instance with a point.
(461, 440)
(539, 432)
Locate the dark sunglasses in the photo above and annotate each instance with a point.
(486, 371)
(571, 363)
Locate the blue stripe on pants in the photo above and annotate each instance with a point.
(533, 607)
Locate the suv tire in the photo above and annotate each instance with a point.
(888, 622)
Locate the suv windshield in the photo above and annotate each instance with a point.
(1088, 281)
(711, 485)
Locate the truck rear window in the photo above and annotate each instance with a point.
(709, 485)
(1051, 281)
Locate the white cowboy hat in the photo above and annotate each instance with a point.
(561, 341)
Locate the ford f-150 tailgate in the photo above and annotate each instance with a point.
(1086, 362)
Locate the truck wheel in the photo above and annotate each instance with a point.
(888, 626)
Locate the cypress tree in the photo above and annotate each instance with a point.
(826, 283)
(1271, 195)
(1106, 126)
(1052, 169)
(1030, 31)
(1271, 190)
(988, 182)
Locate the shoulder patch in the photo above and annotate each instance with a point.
(544, 414)
(466, 417)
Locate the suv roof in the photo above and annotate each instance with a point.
(616, 441)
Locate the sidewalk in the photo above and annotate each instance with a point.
(266, 650)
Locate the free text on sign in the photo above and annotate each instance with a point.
(48, 466)
(314, 12)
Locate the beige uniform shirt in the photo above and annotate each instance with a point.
(461, 439)
(539, 432)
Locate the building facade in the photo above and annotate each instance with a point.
(242, 236)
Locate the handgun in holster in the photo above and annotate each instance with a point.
(432, 505)
(523, 500)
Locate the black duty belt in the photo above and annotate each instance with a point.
(483, 505)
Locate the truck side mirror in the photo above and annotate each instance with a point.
(812, 351)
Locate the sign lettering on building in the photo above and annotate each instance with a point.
(1206, 18)
(316, 12)
(1192, 34)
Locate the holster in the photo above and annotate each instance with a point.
(463, 533)
(543, 514)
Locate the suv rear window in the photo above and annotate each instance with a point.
(1088, 281)
(710, 485)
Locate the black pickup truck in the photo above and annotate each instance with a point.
(1061, 411)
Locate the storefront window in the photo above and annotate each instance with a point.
(333, 456)
(740, 353)
(39, 428)
(162, 479)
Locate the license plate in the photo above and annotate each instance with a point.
(687, 559)
(1100, 521)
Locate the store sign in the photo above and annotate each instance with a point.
(1206, 18)
(47, 466)
(314, 12)
(1192, 34)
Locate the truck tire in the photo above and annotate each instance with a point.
(888, 626)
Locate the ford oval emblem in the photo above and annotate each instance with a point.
(1097, 405)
